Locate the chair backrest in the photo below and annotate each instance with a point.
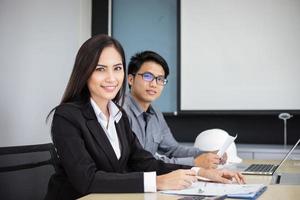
(25, 171)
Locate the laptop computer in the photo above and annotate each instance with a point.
(267, 169)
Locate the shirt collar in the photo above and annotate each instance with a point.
(114, 111)
(137, 109)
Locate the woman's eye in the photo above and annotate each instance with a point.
(118, 68)
(101, 69)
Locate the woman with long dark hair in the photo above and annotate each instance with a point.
(97, 150)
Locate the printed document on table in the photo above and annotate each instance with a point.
(219, 189)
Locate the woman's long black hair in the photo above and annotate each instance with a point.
(85, 63)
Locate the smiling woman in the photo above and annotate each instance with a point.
(97, 150)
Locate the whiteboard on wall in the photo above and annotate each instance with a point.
(240, 55)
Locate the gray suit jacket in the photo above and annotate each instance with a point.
(157, 137)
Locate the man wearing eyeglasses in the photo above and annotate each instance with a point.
(147, 76)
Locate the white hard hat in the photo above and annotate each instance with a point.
(213, 139)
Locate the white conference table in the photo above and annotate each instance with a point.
(273, 192)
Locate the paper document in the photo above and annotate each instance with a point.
(226, 144)
(218, 189)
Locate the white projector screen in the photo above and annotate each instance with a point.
(240, 55)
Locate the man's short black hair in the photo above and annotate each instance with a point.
(140, 58)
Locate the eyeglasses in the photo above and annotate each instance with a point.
(149, 77)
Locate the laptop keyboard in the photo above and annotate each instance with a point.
(260, 168)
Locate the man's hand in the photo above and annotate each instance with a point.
(207, 160)
(210, 160)
(176, 180)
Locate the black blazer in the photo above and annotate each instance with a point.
(88, 163)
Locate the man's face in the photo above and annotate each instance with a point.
(144, 91)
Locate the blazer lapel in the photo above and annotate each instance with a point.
(100, 136)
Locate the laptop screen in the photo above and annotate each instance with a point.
(288, 154)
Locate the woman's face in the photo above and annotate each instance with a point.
(107, 78)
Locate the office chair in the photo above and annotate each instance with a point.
(25, 171)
